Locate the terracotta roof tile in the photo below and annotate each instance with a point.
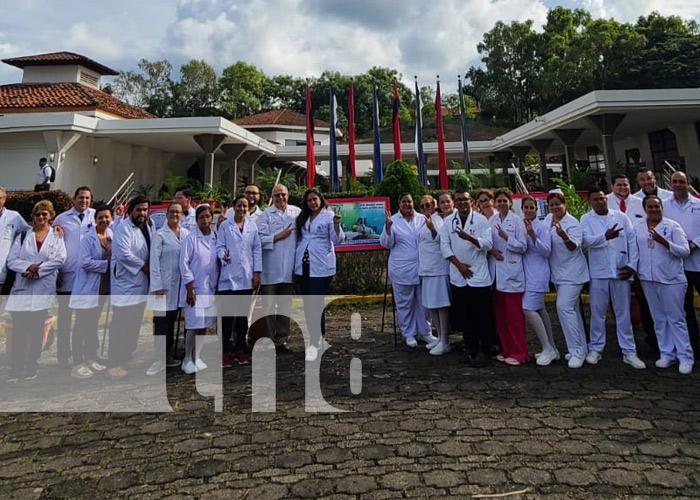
(74, 96)
(59, 59)
(279, 117)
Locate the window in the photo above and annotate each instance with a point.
(633, 156)
(596, 159)
(663, 145)
(88, 79)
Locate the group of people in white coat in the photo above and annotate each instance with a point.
(86, 256)
(485, 273)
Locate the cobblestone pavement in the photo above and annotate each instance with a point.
(423, 427)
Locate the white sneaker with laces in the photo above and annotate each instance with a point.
(311, 353)
(634, 361)
(665, 363)
(433, 344)
(440, 349)
(685, 368)
(156, 367)
(189, 368)
(411, 342)
(593, 357)
(428, 339)
(576, 361)
(201, 365)
(546, 357)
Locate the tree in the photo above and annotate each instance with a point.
(243, 89)
(197, 92)
(399, 178)
(285, 91)
(138, 88)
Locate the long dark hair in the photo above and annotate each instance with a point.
(305, 212)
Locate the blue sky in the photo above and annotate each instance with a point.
(298, 37)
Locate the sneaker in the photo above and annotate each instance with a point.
(171, 362)
(226, 360)
(576, 361)
(546, 357)
(156, 367)
(283, 349)
(94, 366)
(634, 361)
(189, 368)
(411, 342)
(428, 339)
(117, 372)
(567, 356)
(593, 357)
(241, 358)
(81, 372)
(501, 358)
(201, 365)
(312, 353)
(537, 354)
(511, 361)
(432, 344)
(440, 349)
(665, 363)
(685, 368)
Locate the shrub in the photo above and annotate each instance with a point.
(399, 178)
(24, 201)
(359, 273)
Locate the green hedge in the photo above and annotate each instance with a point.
(24, 201)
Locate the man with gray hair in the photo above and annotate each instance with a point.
(11, 224)
(276, 227)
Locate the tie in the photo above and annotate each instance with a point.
(623, 206)
(81, 216)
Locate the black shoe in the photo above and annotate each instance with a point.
(283, 349)
(480, 360)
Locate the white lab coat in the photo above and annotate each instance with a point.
(11, 224)
(634, 209)
(567, 267)
(189, 220)
(38, 294)
(430, 259)
(129, 283)
(688, 216)
(509, 273)
(466, 252)
(657, 264)
(536, 258)
(252, 217)
(319, 238)
(165, 268)
(664, 194)
(73, 232)
(86, 289)
(199, 265)
(245, 251)
(277, 256)
(403, 246)
(607, 257)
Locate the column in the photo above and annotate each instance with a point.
(569, 138)
(542, 145)
(607, 125)
(209, 143)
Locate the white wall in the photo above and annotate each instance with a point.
(19, 159)
(687, 141)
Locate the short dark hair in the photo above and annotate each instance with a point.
(644, 170)
(137, 200)
(648, 197)
(185, 190)
(460, 191)
(403, 195)
(503, 192)
(595, 190)
(202, 208)
(618, 176)
(558, 196)
(101, 207)
(239, 197)
(82, 188)
(43, 159)
(445, 193)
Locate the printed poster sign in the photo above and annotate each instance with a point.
(362, 221)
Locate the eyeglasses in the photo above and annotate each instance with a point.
(41, 214)
(425, 205)
(279, 195)
(461, 200)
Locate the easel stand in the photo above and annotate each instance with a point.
(393, 300)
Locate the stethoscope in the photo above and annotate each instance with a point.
(456, 222)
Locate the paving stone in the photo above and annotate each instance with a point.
(574, 477)
(333, 455)
(292, 459)
(443, 478)
(415, 450)
(657, 449)
(266, 492)
(400, 480)
(533, 448)
(356, 485)
(374, 452)
(119, 481)
(666, 478)
(529, 475)
(312, 488)
(621, 477)
(207, 468)
(637, 424)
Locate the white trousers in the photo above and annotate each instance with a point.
(602, 291)
(412, 316)
(569, 313)
(666, 306)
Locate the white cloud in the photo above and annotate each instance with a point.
(629, 11)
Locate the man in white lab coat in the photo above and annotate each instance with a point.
(184, 195)
(75, 223)
(621, 199)
(647, 183)
(11, 224)
(278, 236)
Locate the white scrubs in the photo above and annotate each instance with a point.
(536, 267)
(433, 268)
(199, 265)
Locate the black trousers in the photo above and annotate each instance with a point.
(165, 326)
(473, 316)
(239, 324)
(27, 330)
(85, 341)
(124, 333)
(691, 319)
(63, 328)
(314, 291)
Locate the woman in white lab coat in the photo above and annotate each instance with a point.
(240, 255)
(662, 247)
(199, 270)
(165, 286)
(536, 268)
(509, 245)
(569, 272)
(318, 231)
(434, 274)
(90, 292)
(400, 236)
(35, 257)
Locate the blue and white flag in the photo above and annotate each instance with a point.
(335, 184)
(377, 164)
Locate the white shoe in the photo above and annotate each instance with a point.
(94, 366)
(634, 361)
(189, 368)
(665, 363)
(432, 344)
(411, 342)
(428, 339)
(311, 353)
(576, 361)
(201, 365)
(546, 357)
(593, 357)
(685, 368)
(537, 354)
(440, 349)
(156, 367)
(567, 356)
(511, 361)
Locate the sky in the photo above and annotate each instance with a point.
(295, 37)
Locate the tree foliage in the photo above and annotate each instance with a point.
(399, 178)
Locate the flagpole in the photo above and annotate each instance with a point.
(396, 124)
(420, 157)
(351, 132)
(465, 135)
(377, 164)
(335, 187)
(442, 157)
(310, 154)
